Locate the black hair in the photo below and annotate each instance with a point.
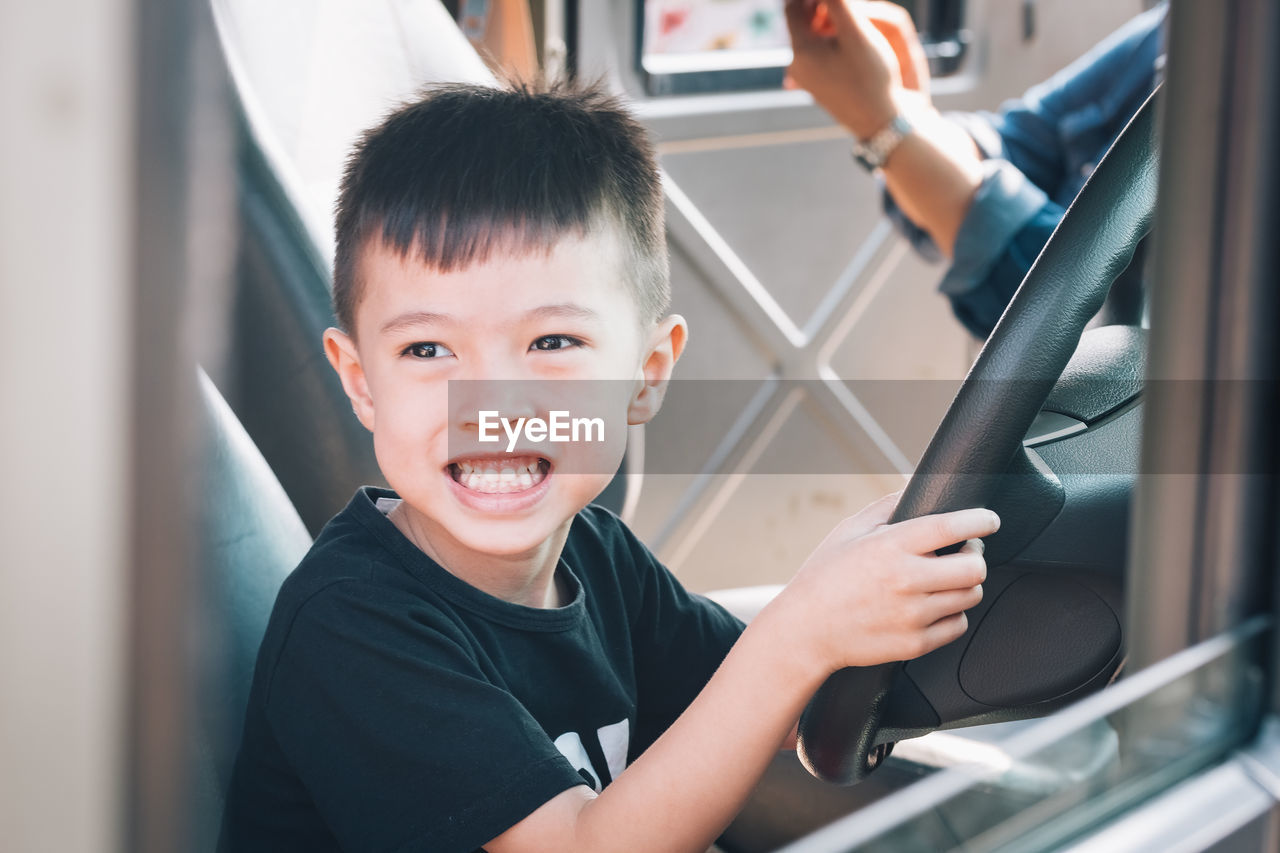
(466, 170)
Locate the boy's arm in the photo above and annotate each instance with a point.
(868, 595)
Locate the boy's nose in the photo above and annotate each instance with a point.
(507, 398)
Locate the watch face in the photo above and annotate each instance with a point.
(872, 153)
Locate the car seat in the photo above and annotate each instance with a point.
(250, 537)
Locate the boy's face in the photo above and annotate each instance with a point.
(422, 340)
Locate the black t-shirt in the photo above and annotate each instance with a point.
(396, 708)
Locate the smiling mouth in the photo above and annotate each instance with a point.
(500, 476)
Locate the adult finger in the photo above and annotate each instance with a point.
(898, 28)
(930, 532)
(907, 69)
(799, 15)
(890, 13)
(847, 20)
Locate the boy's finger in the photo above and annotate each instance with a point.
(946, 630)
(873, 515)
(954, 571)
(928, 533)
(973, 546)
(942, 604)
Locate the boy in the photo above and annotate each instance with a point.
(477, 657)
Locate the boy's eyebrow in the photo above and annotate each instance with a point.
(568, 310)
(416, 318)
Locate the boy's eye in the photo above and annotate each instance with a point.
(555, 342)
(427, 350)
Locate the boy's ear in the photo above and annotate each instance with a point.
(342, 354)
(666, 343)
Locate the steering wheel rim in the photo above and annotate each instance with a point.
(1012, 376)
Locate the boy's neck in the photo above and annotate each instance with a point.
(528, 579)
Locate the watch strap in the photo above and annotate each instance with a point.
(872, 153)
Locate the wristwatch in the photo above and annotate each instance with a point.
(871, 153)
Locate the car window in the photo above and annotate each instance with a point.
(1062, 776)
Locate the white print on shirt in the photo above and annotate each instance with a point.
(614, 740)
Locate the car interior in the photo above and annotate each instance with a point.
(1107, 448)
(1070, 419)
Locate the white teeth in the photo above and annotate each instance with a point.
(499, 476)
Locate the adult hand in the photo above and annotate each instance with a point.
(861, 61)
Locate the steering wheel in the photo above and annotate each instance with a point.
(980, 439)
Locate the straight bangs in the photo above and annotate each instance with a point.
(470, 171)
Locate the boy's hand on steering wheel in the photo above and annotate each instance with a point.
(874, 592)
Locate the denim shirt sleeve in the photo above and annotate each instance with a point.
(1038, 151)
